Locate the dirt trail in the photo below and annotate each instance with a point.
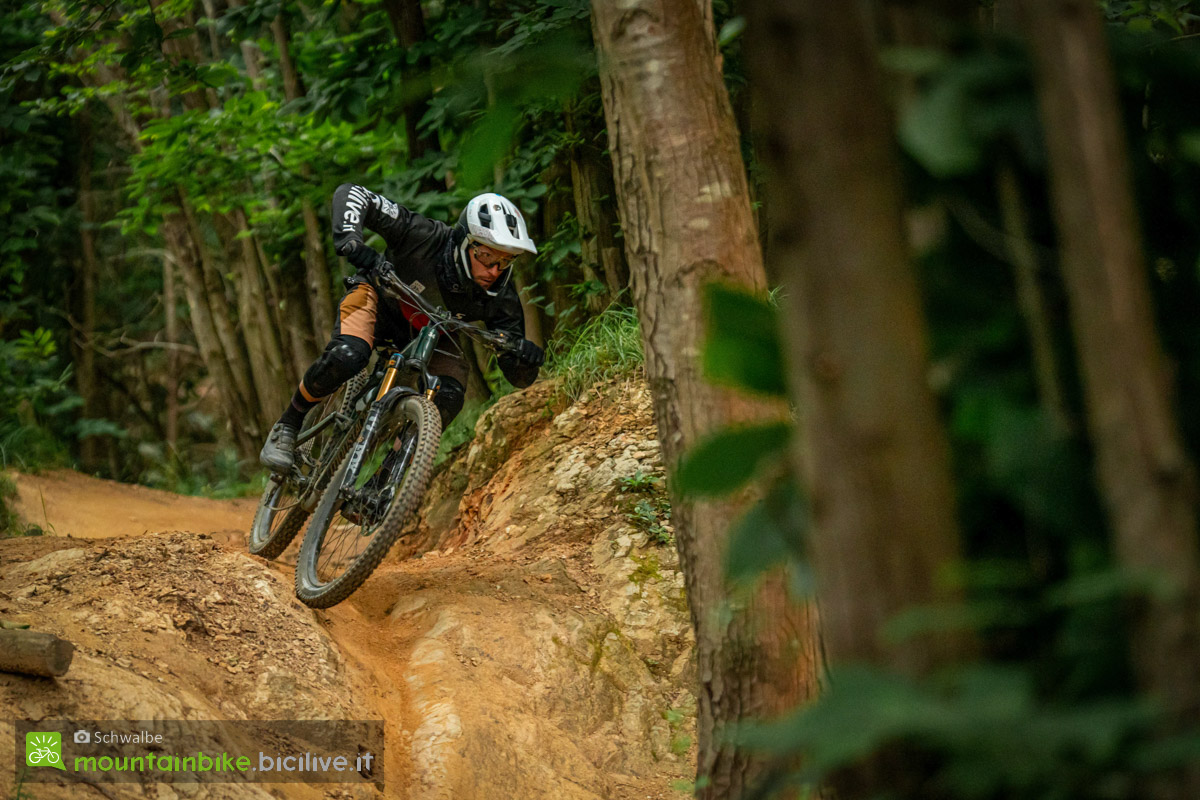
(526, 640)
(67, 503)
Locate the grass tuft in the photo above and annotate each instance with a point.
(606, 347)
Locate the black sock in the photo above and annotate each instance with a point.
(294, 415)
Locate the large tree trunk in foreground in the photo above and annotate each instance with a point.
(1145, 475)
(872, 450)
(685, 212)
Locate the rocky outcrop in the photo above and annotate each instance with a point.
(548, 626)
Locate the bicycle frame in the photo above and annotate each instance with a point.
(414, 358)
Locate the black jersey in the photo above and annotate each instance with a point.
(422, 252)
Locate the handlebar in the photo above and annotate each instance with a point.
(391, 284)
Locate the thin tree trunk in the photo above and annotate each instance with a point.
(593, 190)
(292, 85)
(171, 380)
(271, 384)
(1145, 474)
(85, 354)
(408, 21)
(317, 274)
(233, 351)
(685, 212)
(178, 242)
(1032, 299)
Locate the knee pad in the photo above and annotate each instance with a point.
(344, 356)
(449, 399)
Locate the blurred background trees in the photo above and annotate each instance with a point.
(983, 251)
(172, 164)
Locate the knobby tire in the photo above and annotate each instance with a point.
(309, 588)
(269, 543)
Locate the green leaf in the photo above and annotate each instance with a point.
(729, 458)
(915, 61)
(730, 31)
(742, 348)
(935, 131)
(770, 533)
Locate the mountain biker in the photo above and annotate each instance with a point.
(465, 267)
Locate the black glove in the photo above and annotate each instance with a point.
(382, 267)
(362, 257)
(530, 354)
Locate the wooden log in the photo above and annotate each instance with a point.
(34, 653)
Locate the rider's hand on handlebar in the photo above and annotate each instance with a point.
(529, 353)
(381, 270)
(360, 255)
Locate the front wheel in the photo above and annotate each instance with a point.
(353, 529)
(280, 516)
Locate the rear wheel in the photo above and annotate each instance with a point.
(352, 530)
(279, 516)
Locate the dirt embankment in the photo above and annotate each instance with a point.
(528, 639)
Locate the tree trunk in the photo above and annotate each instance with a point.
(204, 328)
(85, 354)
(1032, 300)
(228, 332)
(171, 379)
(251, 54)
(317, 274)
(871, 448)
(685, 211)
(272, 384)
(592, 186)
(1145, 474)
(409, 24)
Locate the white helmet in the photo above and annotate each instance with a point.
(492, 220)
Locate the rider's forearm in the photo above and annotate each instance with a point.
(355, 208)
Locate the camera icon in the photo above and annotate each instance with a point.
(83, 737)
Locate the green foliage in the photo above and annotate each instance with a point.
(220, 477)
(991, 732)
(648, 509)
(652, 517)
(1144, 16)
(972, 110)
(35, 400)
(607, 347)
(9, 521)
(728, 459)
(639, 483)
(490, 84)
(742, 347)
(771, 534)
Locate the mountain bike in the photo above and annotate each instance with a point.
(363, 464)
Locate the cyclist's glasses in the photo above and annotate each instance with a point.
(490, 258)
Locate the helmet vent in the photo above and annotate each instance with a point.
(485, 216)
(511, 221)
